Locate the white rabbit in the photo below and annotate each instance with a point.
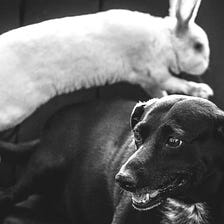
(40, 61)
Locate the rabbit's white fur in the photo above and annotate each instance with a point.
(58, 56)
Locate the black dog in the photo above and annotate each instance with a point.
(171, 162)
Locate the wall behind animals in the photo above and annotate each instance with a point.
(16, 13)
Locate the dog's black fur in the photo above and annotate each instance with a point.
(84, 150)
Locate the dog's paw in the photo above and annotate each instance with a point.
(200, 90)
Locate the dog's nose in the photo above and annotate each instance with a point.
(126, 180)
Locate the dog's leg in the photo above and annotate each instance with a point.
(42, 175)
(17, 153)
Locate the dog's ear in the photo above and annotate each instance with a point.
(138, 111)
(219, 133)
(220, 123)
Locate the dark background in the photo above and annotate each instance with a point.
(16, 13)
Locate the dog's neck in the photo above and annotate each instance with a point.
(176, 212)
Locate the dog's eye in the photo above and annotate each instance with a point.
(138, 137)
(173, 142)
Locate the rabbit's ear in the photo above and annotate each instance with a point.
(173, 8)
(195, 9)
(184, 11)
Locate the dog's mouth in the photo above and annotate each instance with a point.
(145, 198)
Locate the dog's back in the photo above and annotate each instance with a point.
(84, 148)
(90, 137)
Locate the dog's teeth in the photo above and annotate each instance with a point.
(141, 198)
(147, 196)
(154, 194)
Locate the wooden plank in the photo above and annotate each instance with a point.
(9, 15)
(39, 10)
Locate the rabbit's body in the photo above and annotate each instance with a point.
(58, 56)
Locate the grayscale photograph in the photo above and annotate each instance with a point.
(111, 112)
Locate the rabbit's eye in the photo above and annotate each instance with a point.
(198, 46)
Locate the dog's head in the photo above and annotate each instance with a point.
(179, 143)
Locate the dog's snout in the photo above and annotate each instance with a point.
(126, 180)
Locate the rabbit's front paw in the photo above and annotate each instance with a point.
(200, 89)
